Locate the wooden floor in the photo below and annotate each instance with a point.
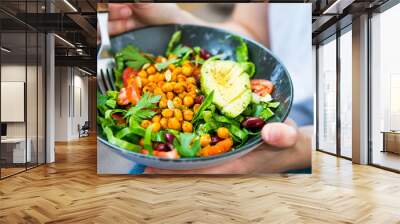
(70, 191)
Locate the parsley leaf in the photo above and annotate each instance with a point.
(133, 58)
(183, 143)
(141, 110)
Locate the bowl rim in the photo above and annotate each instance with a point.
(246, 146)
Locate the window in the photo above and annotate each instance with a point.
(385, 89)
(327, 96)
(346, 93)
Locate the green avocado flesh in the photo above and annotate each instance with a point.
(230, 83)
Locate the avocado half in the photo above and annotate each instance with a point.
(230, 83)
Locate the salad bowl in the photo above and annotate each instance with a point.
(155, 39)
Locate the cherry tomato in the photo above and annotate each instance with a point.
(128, 74)
(173, 154)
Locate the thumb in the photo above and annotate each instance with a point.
(279, 135)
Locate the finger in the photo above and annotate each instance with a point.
(120, 26)
(119, 11)
(279, 135)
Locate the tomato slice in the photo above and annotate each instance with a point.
(262, 86)
(133, 93)
(128, 74)
(122, 97)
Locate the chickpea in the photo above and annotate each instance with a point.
(187, 70)
(223, 132)
(141, 142)
(142, 74)
(177, 102)
(177, 71)
(158, 91)
(164, 123)
(160, 84)
(182, 95)
(156, 119)
(173, 123)
(151, 69)
(167, 87)
(192, 94)
(191, 80)
(170, 95)
(187, 115)
(188, 101)
(205, 140)
(187, 126)
(160, 77)
(163, 103)
(167, 113)
(145, 123)
(178, 114)
(196, 107)
(156, 127)
(145, 81)
(178, 88)
(173, 77)
(160, 59)
(171, 66)
(151, 78)
(191, 87)
(181, 78)
(171, 56)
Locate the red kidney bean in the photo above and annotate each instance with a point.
(205, 54)
(170, 146)
(162, 147)
(199, 99)
(169, 137)
(215, 139)
(253, 123)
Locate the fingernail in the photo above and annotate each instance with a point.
(125, 12)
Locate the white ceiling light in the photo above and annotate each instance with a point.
(337, 7)
(84, 71)
(5, 50)
(70, 5)
(64, 40)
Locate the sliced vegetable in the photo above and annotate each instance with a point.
(147, 140)
(206, 103)
(119, 142)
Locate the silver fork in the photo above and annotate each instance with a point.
(105, 59)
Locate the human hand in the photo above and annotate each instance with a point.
(285, 148)
(125, 17)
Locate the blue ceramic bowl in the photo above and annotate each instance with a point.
(154, 39)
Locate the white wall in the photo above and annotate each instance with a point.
(70, 83)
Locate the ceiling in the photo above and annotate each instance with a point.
(72, 20)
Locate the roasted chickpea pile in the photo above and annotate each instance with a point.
(179, 93)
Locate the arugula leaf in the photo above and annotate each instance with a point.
(163, 65)
(266, 114)
(119, 142)
(119, 68)
(239, 135)
(273, 104)
(101, 103)
(206, 103)
(147, 139)
(176, 37)
(249, 68)
(242, 53)
(111, 103)
(183, 143)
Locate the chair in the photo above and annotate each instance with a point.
(84, 129)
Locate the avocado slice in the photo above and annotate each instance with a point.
(230, 83)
